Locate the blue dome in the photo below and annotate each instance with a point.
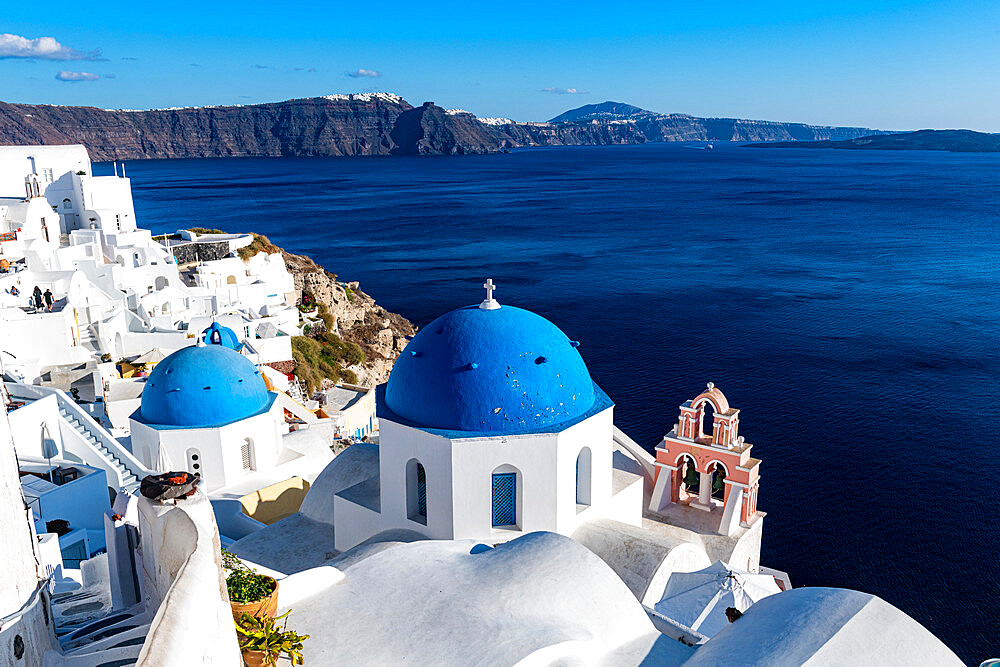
(203, 386)
(505, 370)
(226, 336)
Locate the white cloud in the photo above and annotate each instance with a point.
(77, 76)
(565, 91)
(42, 48)
(364, 73)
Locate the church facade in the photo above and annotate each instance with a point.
(490, 427)
(206, 409)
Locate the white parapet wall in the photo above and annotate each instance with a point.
(182, 578)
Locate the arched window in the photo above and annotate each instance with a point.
(231, 280)
(719, 481)
(246, 453)
(67, 204)
(708, 419)
(583, 477)
(165, 309)
(160, 282)
(506, 484)
(416, 492)
(690, 477)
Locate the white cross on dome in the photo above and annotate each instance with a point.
(489, 303)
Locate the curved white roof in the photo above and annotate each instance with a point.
(542, 598)
(824, 626)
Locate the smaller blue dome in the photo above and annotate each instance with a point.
(220, 335)
(203, 386)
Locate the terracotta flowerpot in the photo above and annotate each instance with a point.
(259, 608)
(254, 658)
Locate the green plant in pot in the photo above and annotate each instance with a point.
(263, 641)
(249, 592)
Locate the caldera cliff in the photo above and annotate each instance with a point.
(365, 124)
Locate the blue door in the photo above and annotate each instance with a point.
(504, 499)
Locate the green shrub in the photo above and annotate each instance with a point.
(244, 585)
(325, 357)
(260, 243)
(264, 634)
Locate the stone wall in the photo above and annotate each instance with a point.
(204, 251)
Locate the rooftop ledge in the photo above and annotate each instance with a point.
(601, 403)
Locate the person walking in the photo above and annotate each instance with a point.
(48, 299)
(36, 297)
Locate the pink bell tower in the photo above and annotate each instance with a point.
(708, 466)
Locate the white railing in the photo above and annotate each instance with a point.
(644, 458)
(34, 392)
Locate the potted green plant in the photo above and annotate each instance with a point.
(263, 641)
(249, 592)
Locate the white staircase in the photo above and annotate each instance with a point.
(89, 341)
(92, 443)
(130, 478)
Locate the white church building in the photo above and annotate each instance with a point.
(490, 427)
(206, 409)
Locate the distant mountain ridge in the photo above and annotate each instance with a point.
(366, 124)
(956, 141)
(683, 127)
(604, 111)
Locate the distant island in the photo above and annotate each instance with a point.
(367, 124)
(956, 141)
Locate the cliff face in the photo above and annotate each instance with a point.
(327, 126)
(921, 140)
(358, 319)
(366, 124)
(673, 127)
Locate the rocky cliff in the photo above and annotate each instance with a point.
(327, 126)
(366, 124)
(956, 141)
(357, 318)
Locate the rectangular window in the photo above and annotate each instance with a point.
(504, 499)
(245, 453)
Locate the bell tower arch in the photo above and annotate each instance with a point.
(705, 464)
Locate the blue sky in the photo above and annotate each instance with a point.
(891, 64)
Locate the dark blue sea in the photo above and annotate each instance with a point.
(846, 301)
